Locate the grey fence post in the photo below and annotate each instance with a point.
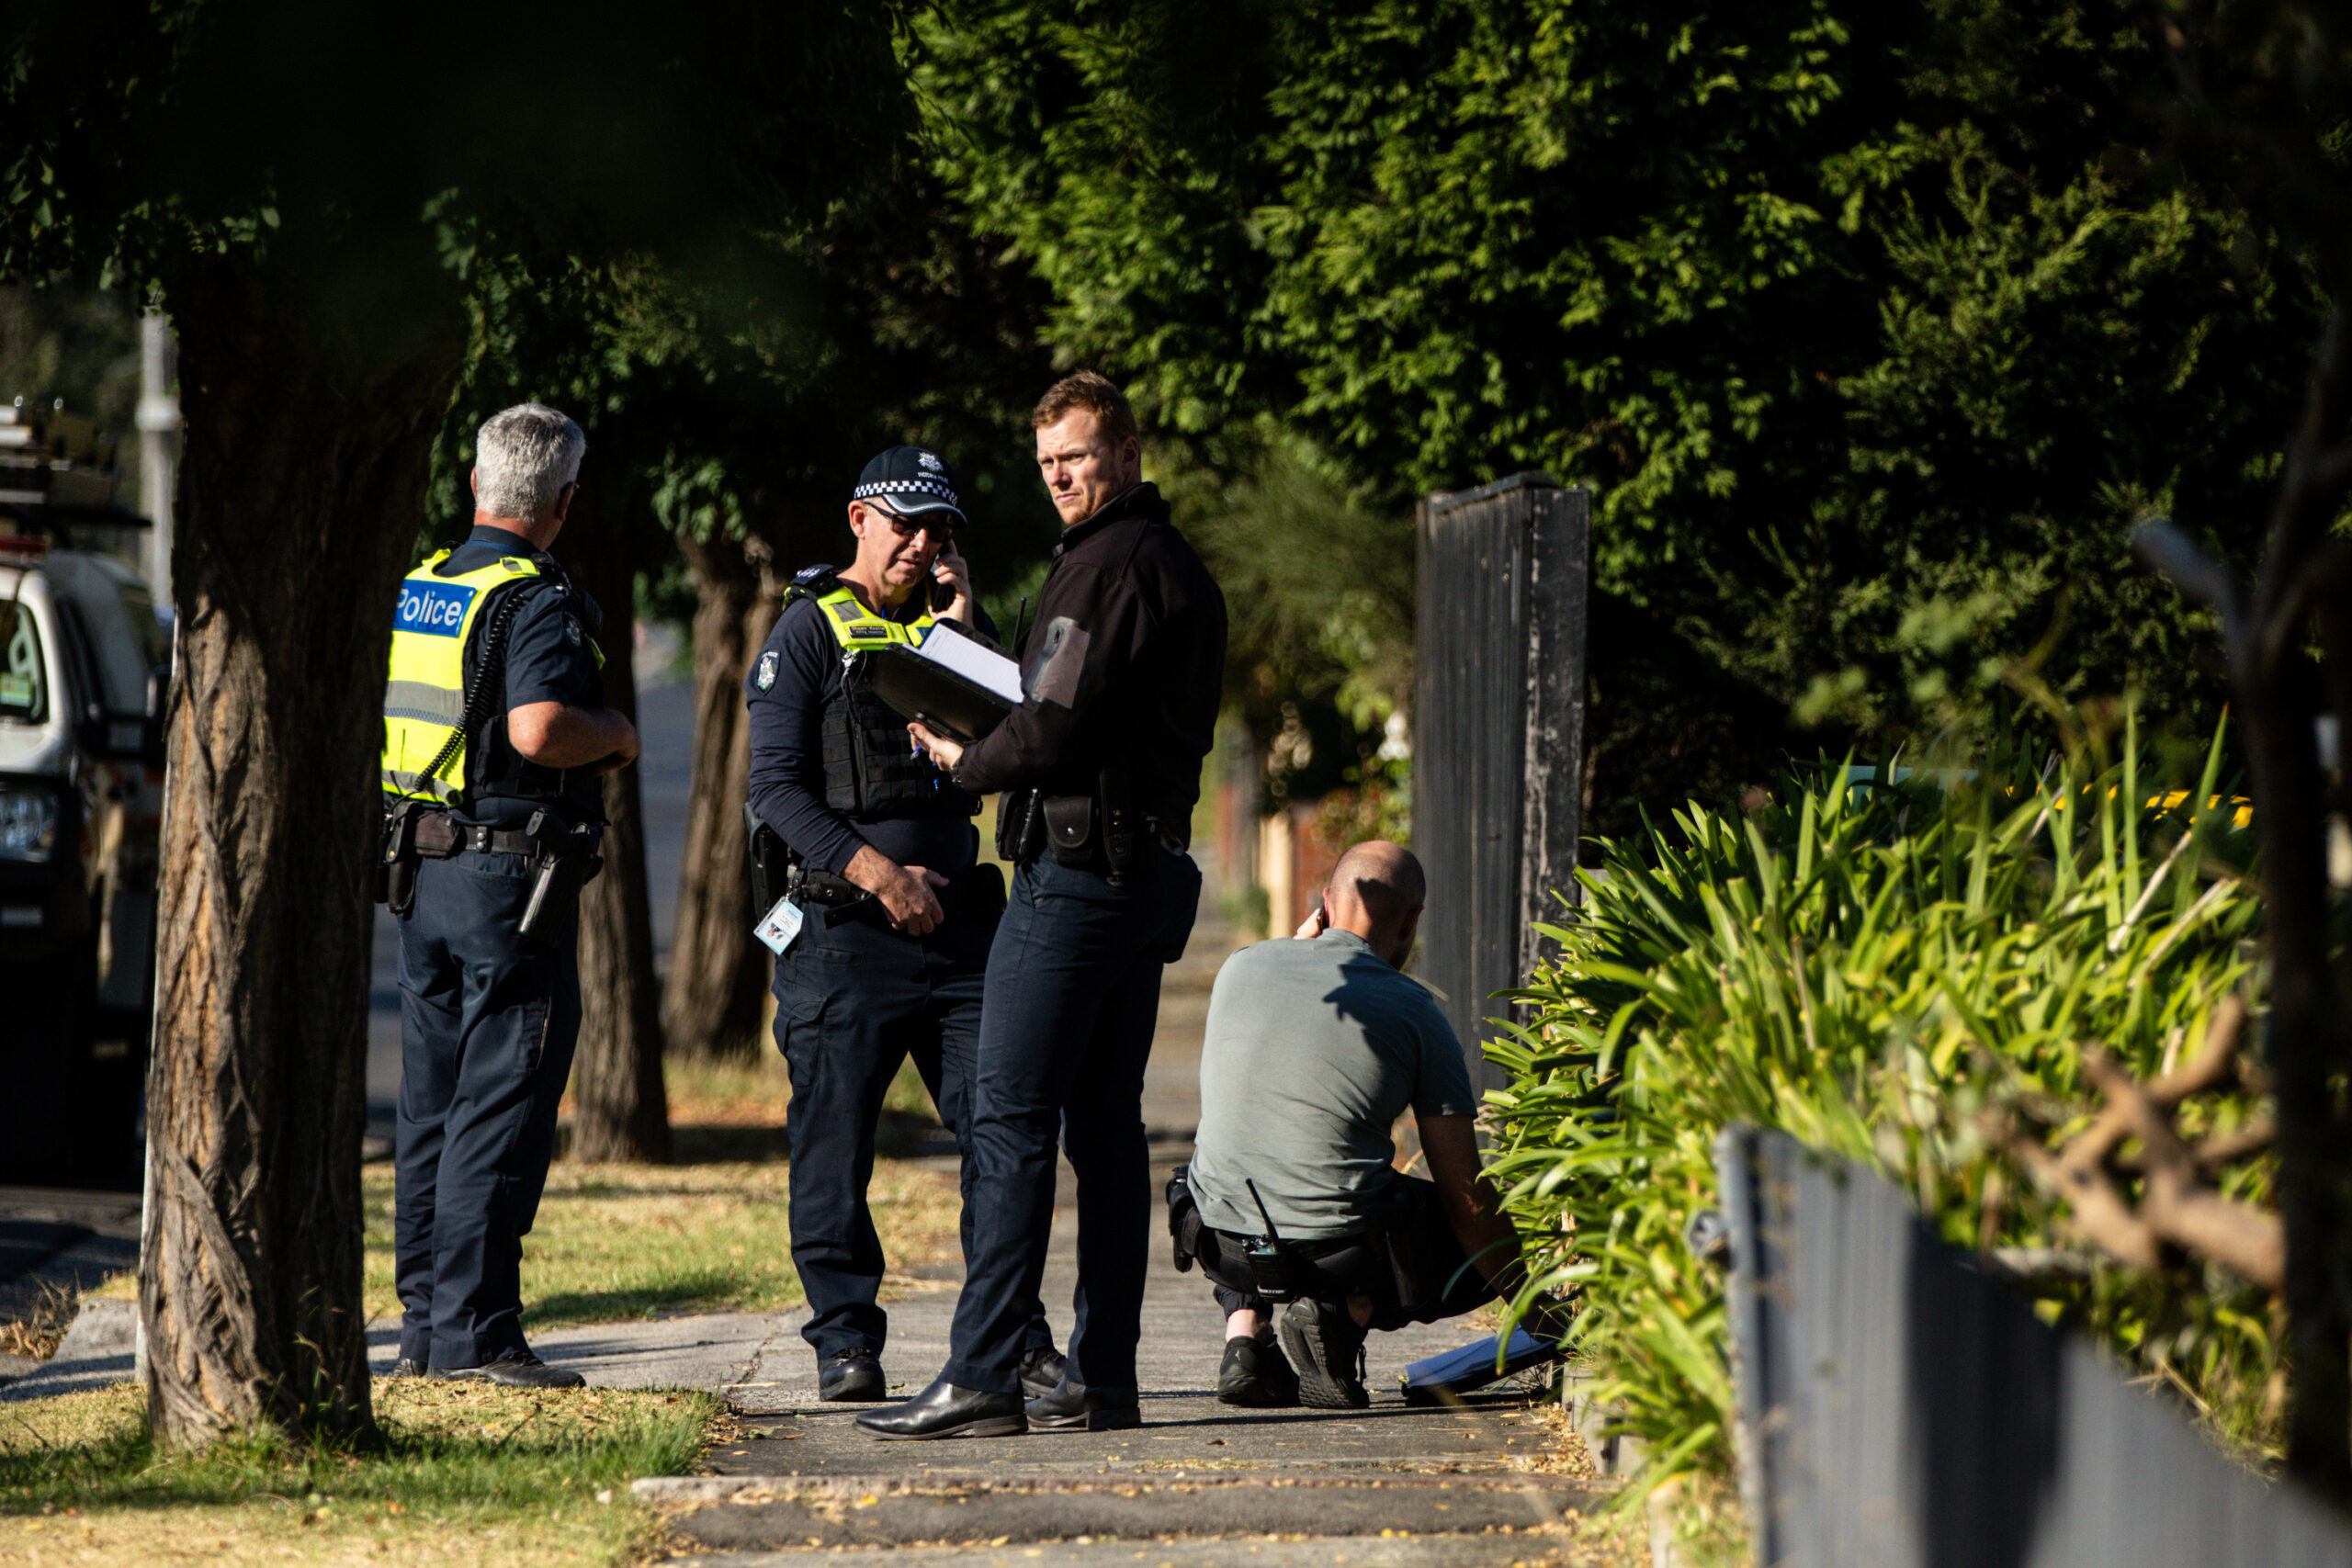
(1498, 690)
(1899, 1408)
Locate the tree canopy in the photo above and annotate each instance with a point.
(1871, 329)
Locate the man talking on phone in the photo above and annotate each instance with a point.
(883, 917)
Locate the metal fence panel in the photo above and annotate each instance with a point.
(1499, 696)
(1898, 1409)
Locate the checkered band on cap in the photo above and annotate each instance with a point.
(905, 486)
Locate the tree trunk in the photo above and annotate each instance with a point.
(718, 974)
(299, 501)
(2305, 578)
(622, 1111)
(2310, 1046)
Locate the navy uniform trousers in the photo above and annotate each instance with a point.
(487, 1023)
(854, 1000)
(1073, 998)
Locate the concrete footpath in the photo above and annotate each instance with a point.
(1199, 1482)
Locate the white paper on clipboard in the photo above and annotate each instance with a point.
(780, 926)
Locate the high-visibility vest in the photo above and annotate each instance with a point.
(855, 628)
(425, 703)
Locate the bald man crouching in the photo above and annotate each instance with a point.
(1315, 1046)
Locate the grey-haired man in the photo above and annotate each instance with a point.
(495, 731)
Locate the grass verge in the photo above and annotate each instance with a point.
(623, 1241)
(469, 1474)
(618, 1241)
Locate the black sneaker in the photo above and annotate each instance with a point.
(1042, 1370)
(406, 1367)
(516, 1369)
(1255, 1375)
(850, 1375)
(1326, 1347)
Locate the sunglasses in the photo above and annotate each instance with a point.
(941, 525)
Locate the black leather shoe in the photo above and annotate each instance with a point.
(850, 1375)
(406, 1367)
(516, 1369)
(1074, 1407)
(1257, 1376)
(1325, 1348)
(942, 1410)
(1042, 1372)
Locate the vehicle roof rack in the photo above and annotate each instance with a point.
(50, 458)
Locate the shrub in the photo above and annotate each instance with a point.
(1885, 971)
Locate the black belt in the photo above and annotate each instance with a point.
(438, 837)
(1154, 829)
(496, 840)
(1312, 1250)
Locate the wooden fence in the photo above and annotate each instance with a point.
(1498, 694)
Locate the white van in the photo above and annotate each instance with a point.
(83, 660)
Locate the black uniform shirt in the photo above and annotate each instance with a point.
(801, 663)
(1126, 663)
(548, 660)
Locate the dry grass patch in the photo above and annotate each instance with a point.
(468, 1474)
(757, 1093)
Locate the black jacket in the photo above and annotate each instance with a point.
(1125, 662)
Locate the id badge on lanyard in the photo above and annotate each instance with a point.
(780, 926)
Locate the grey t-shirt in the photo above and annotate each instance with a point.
(1313, 1049)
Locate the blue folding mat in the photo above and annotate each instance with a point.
(1428, 1381)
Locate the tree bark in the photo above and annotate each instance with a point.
(305, 467)
(621, 1109)
(718, 974)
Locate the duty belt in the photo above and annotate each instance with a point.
(438, 837)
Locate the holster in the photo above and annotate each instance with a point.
(567, 862)
(396, 856)
(1019, 825)
(770, 864)
(1180, 1208)
(1121, 839)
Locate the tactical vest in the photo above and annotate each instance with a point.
(871, 773)
(424, 704)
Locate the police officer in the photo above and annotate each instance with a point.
(886, 942)
(495, 731)
(1122, 677)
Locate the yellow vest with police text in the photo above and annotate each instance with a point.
(855, 628)
(425, 703)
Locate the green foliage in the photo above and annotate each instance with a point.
(1318, 585)
(749, 409)
(1871, 328)
(1882, 972)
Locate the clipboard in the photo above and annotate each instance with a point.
(951, 683)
